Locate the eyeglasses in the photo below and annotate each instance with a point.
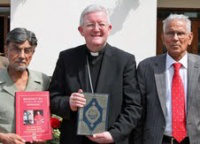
(17, 51)
(180, 35)
(93, 25)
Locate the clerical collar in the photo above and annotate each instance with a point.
(95, 54)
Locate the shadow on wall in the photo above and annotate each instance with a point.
(120, 13)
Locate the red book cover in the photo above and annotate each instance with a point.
(33, 115)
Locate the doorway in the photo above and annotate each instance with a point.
(193, 14)
(4, 25)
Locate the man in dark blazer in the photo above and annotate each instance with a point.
(112, 71)
(155, 76)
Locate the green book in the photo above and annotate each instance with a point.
(93, 117)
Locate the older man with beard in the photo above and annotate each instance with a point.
(19, 49)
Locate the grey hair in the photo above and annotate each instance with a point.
(91, 9)
(20, 35)
(172, 17)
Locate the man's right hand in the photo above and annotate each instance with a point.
(11, 138)
(77, 100)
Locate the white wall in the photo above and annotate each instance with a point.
(55, 23)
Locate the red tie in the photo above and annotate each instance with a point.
(178, 106)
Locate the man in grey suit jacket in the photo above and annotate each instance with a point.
(155, 76)
(112, 71)
(19, 49)
(3, 62)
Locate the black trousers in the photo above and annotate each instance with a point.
(171, 140)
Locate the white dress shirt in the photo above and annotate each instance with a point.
(169, 75)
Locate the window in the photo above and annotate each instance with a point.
(4, 26)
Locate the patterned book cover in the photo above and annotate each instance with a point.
(93, 117)
(33, 115)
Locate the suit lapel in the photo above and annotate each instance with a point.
(10, 89)
(33, 82)
(159, 73)
(193, 73)
(82, 69)
(105, 72)
(9, 86)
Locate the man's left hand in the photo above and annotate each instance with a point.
(102, 138)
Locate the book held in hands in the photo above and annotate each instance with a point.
(33, 115)
(92, 118)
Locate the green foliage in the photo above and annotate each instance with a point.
(55, 131)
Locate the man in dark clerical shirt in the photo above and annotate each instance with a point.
(96, 67)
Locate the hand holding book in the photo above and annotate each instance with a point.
(8, 138)
(77, 100)
(104, 137)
